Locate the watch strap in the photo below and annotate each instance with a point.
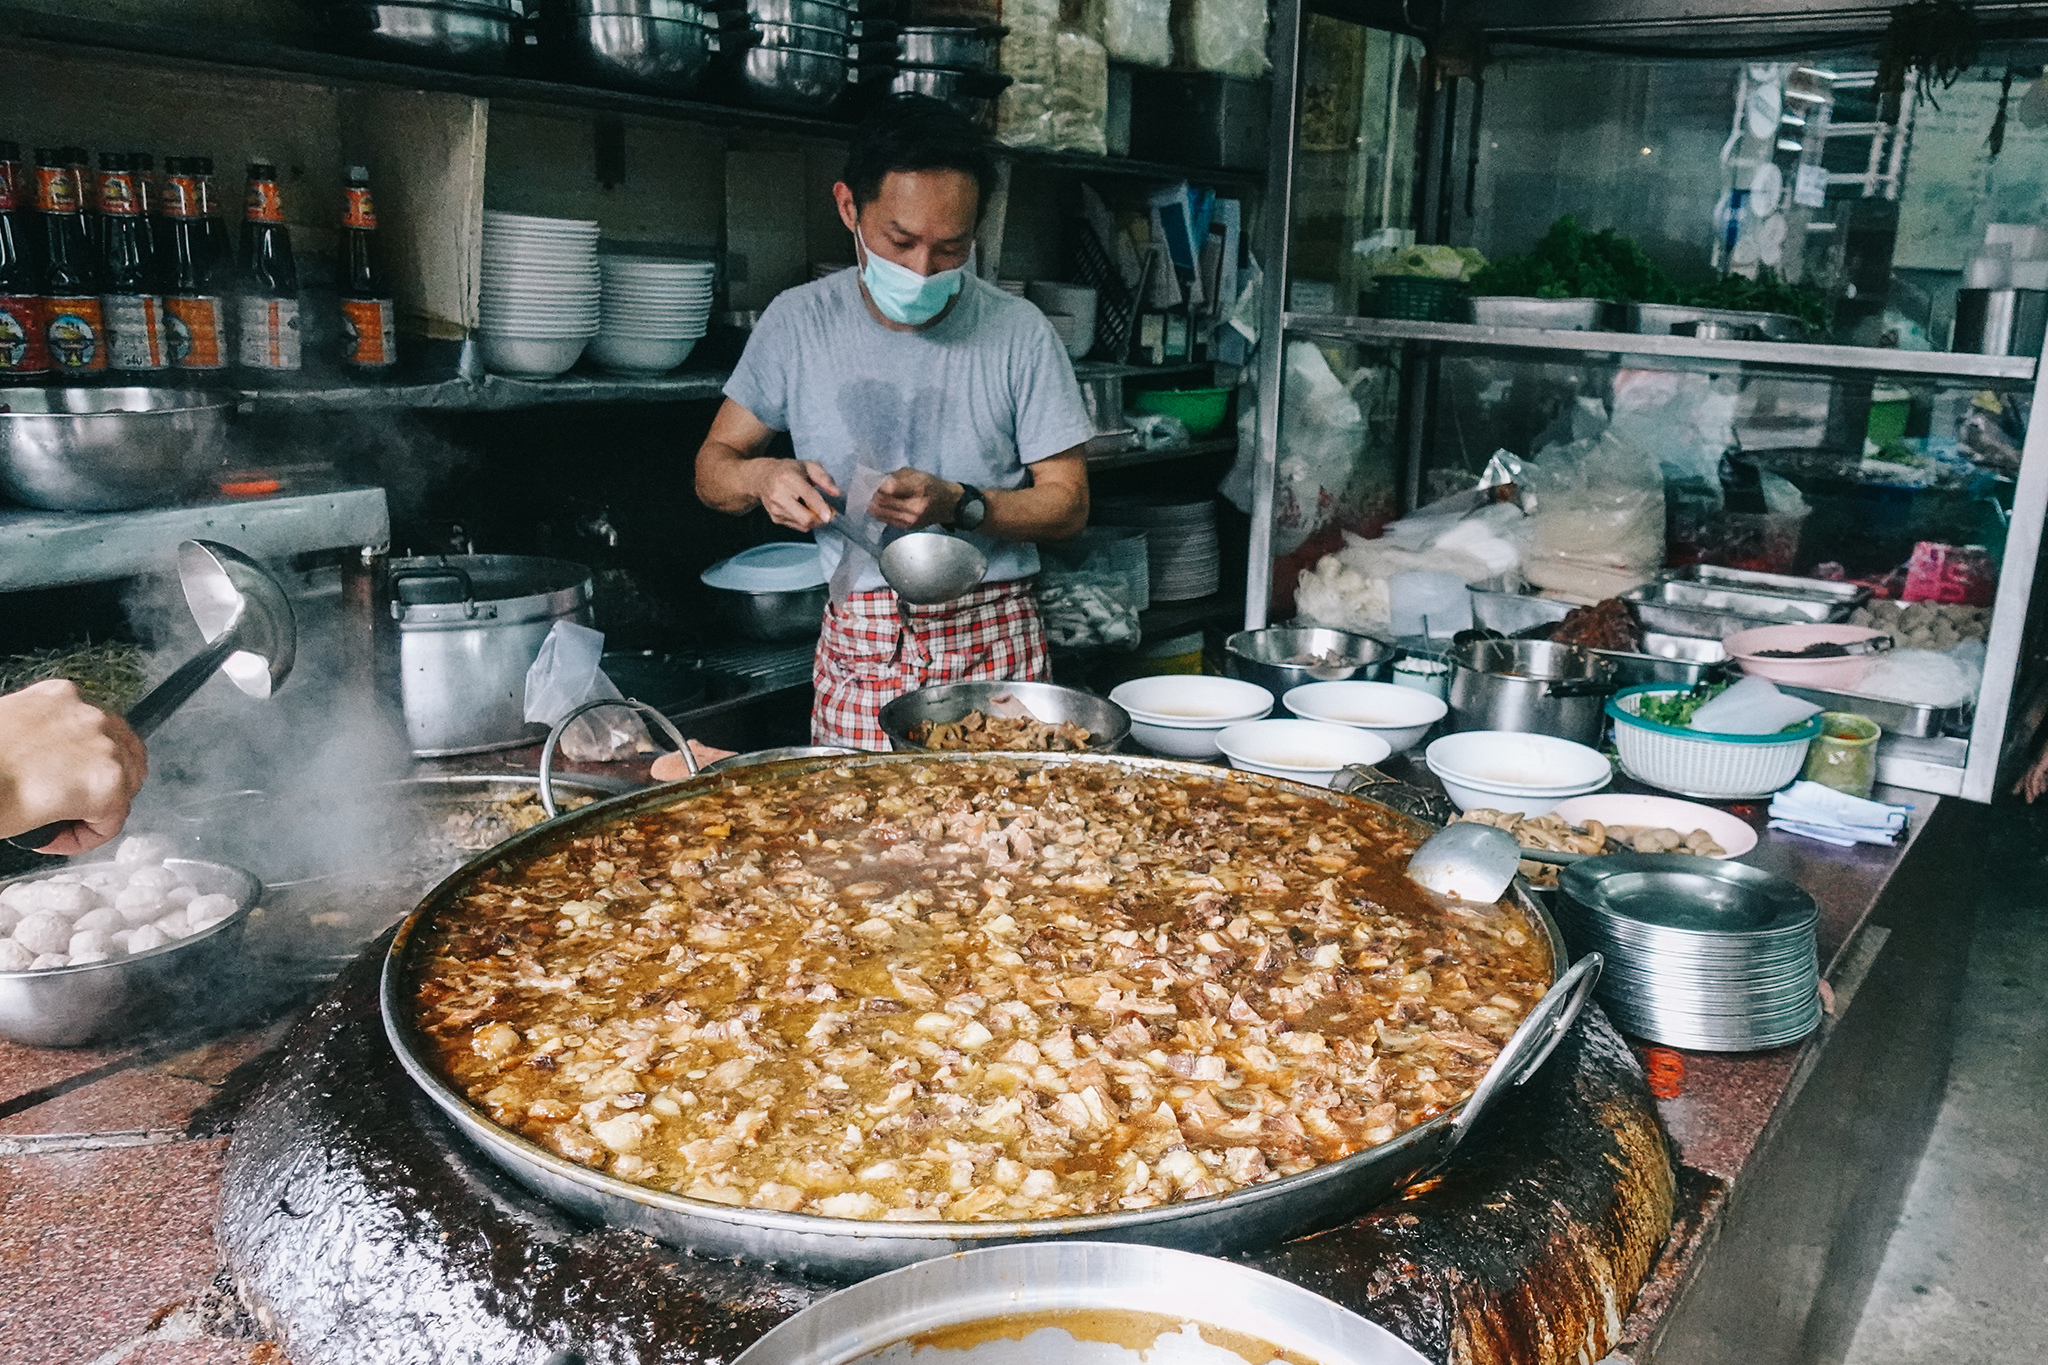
(968, 494)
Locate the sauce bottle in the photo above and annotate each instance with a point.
(267, 304)
(199, 269)
(132, 300)
(24, 355)
(369, 319)
(73, 326)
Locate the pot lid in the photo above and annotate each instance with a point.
(782, 566)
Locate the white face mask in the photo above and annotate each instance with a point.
(901, 293)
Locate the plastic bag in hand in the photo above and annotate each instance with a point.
(563, 676)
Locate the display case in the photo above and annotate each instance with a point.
(1860, 457)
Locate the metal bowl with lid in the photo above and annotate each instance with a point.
(107, 450)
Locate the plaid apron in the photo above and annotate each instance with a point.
(875, 647)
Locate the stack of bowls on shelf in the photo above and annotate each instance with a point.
(1185, 714)
(792, 55)
(1187, 561)
(1701, 953)
(539, 304)
(1071, 310)
(662, 45)
(1513, 770)
(474, 35)
(956, 63)
(654, 311)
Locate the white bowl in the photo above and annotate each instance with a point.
(1192, 701)
(529, 357)
(1180, 741)
(637, 355)
(1305, 750)
(1399, 715)
(1518, 802)
(1510, 770)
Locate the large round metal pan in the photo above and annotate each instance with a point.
(852, 1249)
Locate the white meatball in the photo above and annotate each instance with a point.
(144, 848)
(106, 919)
(67, 898)
(117, 941)
(155, 878)
(9, 917)
(17, 896)
(139, 905)
(48, 960)
(81, 959)
(40, 933)
(211, 909)
(91, 941)
(145, 938)
(14, 957)
(179, 895)
(174, 925)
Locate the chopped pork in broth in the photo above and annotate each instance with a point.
(971, 990)
(979, 733)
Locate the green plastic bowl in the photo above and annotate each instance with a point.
(1201, 411)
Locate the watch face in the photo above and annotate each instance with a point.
(973, 507)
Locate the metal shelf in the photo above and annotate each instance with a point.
(1751, 354)
(492, 393)
(1126, 459)
(1085, 370)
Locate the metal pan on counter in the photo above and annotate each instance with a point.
(850, 1249)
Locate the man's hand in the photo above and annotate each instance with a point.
(789, 491)
(911, 498)
(62, 758)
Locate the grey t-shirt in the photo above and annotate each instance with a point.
(974, 399)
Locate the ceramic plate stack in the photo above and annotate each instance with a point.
(654, 312)
(1704, 954)
(539, 302)
(1181, 539)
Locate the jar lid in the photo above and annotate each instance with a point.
(782, 566)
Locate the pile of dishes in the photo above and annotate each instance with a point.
(653, 312)
(955, 63)
(1705, 954)
(539, 304)
(1072, 309)
(1185, 714)
(1513, 770)
(802, 55)
(1186, 559)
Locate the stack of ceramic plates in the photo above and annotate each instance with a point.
(539, 299)
(1704, 954)
(654, 312)
(1180, 537)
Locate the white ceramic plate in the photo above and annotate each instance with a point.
(1734, 835)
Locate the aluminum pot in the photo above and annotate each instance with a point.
(1260, 656)
(790, 78)
(1107, 724)
(469, 626)
(69, 1006)
(107, 450)
(808, 37)
(962, 47)
(645, 51)
(475, 37)
(796, 614)
(853, 1249)
(1533, 686)
(822, 13)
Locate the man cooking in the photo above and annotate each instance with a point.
(956, 396)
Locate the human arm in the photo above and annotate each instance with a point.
(734, 476)
(1053, 506)
(64, 759)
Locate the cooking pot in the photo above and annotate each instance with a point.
(852, 1249)
(1534, 686)
(469, 627)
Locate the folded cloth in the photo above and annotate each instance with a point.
(1813, 811)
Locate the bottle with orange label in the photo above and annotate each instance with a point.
(132, 302)
(74, 328)
(267, 302)
(369, 319)
(24, 355)
(200, 269)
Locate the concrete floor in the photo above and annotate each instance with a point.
(1965, 1278)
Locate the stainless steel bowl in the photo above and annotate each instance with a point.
(822, 13)
(973, 93)
(1261, 656)
(641, 51)
(69, 1006)
(809, 37)
(1107, 724)
(773, 615)
(106, 450)
(476, 37)
(680, 11)
(791, 78)
(961, 47)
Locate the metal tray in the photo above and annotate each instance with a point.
(1791, 585)
(1782, 608)
(853, 1249)
(1893, 717)
(1683, 659)
(1658, 611)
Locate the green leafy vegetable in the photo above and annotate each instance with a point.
(1677, 708)
(1767, 293)
(1571, 263)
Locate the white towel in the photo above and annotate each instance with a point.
(1813, 811)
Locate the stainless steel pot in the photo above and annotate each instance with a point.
(796, 614)
(962, 47)
(1260, 656)
(469, 627)
(973, 93)
(1530, 685)
(669, 51)
(69, 1006)
(808, 37)
(790, 78)
(823, 13)
(850, 1249)
(106, 450)
(473, 36)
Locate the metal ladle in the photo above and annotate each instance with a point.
(924, 567)
(250, 632)
(1475, 862)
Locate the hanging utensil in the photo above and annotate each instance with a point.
(251, 636)
(924, 567)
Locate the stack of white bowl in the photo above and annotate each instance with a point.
(654, 312)
(539, 300)
(1185, 714)
(1305, 750)
(1509, 770)
(1071, 308)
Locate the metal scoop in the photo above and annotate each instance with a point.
(250, 633)
(1472, 862)
(924, 567)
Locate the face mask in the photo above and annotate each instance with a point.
(902, 294)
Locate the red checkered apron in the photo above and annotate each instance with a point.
(875, 647)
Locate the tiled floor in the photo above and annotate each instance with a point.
(1965, 1279)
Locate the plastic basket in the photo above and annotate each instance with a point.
(1706, 766)
(1414, 298)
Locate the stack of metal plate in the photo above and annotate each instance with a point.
(1702, 953)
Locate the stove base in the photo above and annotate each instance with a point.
(360, 1226)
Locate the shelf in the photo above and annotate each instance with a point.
(57, 549)
(1085, 370)
(1164, 619)
(1126, 459)
(492, 393)
(216, 49)
(1768, 354)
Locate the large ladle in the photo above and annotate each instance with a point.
(924, 567)
(250, 635)
(1475, 862)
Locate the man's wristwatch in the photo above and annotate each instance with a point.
(970, 511)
